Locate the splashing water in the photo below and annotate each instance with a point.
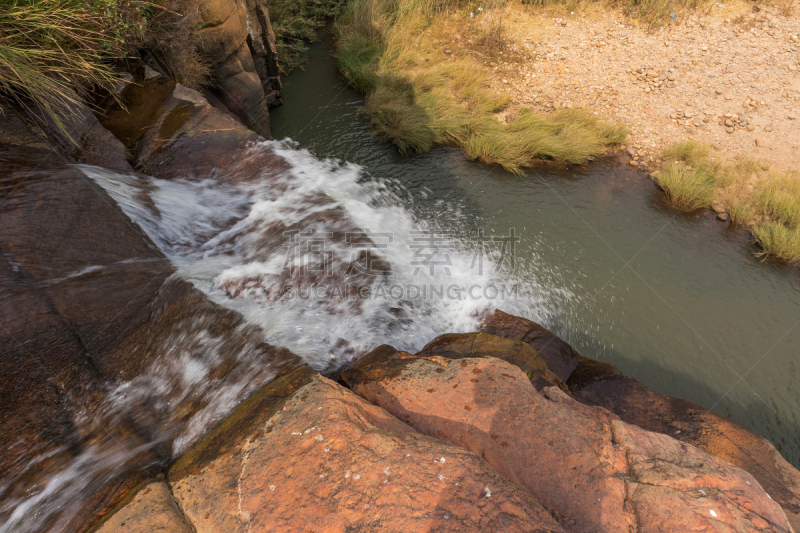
(317, 258)
(234, 243)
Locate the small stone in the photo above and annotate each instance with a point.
(761, 142)
(719, 207)
(633, 164)
(722, 216)
(792, 116)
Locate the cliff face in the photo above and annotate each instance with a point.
(238, 41)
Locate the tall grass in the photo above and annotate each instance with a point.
(419, 98)
(691, 180)
(688, 179)
(52, 51)
(778, 242)
(688, 189)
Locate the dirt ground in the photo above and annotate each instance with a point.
(729, 76)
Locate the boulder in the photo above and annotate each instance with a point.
(173, 131)
(471, 345)
(150, 510)
(559, 356)
(305, 454)
(593, 471)
(237, 41)
(602, 384)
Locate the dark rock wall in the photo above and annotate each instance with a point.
(238, 41)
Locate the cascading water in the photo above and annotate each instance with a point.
(246, 245)
(318, 258)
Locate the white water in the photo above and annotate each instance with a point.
(225, 235)
(227, 240)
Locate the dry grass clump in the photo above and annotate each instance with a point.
(688, 179)
(768, 202)
(52, 50)
(419, 98)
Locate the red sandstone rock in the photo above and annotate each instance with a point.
(306, 454)
(594, 471)
(471, 345)
(602, 384)
(151, 510)
(560, 357)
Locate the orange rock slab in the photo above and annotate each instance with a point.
(151, 510)
(309, 455)
(595, 472)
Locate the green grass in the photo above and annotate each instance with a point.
(419, 99)
(688, 151)
(778, 241)
(688, 188)
(53, 51)
(691, 180)
(688, 179)
(779, 198)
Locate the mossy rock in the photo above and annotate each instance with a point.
(467, 345)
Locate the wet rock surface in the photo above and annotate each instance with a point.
(96, 342)
(307, 454)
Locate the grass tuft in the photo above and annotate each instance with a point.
(688, 188)
(779, 198)
(770, 203)
(778, 242)
(54, 52)
(418, 98)
(689, 151)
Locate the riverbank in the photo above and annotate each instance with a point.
(725, 77)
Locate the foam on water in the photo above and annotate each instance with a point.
(227, 235)
(228, 239)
